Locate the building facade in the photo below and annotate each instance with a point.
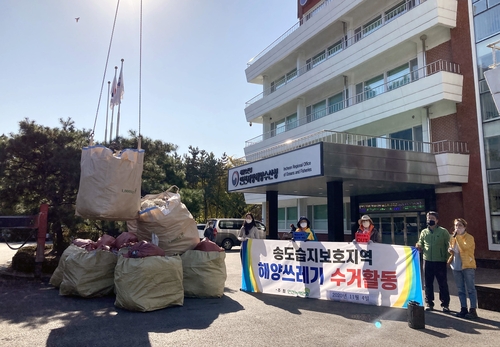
(377, 107)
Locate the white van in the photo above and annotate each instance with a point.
(226, 230)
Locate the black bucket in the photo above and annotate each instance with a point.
(416, 315)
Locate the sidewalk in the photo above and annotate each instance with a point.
(6, 255)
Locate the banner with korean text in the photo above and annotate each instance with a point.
(373, 274)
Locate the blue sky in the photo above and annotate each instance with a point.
(194, 55)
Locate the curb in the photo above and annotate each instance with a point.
(8, 272)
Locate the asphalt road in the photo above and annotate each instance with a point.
(33, 314)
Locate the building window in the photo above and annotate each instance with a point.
(320, 217)
(494, 197)
(291, 75)
(359, 93)
(485, 56)
(492, 149)
(372, 25)
(396, 11)
(287, 216)
(292, 122)
(402, 140)
(357, 34)
(398, 77)
(487, 23)
(334, 49)
(336, 103)
(374, 87)
(316, 111)
(488, 108)
(318, 59)
(283, 125)
(479, 7)
(281, 218)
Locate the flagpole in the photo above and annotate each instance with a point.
(112, 103)
(119, 90)
(107, 112)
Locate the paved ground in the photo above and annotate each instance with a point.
(33, 314)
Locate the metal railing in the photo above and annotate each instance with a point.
(368, 93)
(288, 32)
(329, 51)
(331, 136)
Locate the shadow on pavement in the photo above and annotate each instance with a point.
(31, 303)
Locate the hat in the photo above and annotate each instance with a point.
(363, 218)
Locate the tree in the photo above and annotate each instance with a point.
(163, 167)
(42, 165)
(209, 175)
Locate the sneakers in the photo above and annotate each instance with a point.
(446, 309)
(429, 307)
(472, 314)
(463, 312)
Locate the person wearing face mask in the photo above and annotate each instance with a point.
(304, 225)
(463, 264)
(249, 229)
(366, 231)
(433, 243)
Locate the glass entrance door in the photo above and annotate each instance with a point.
(397, 228)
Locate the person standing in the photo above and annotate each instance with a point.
(463, 264)
(209, 232)
(304, 225)
(366, 231)
(248, 231)
(433, 243)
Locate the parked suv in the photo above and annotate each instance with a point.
(226, 230)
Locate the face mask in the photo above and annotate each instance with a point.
(366, 224)
(303, 225)
(431, 222)
(460, 230)
(248, 220)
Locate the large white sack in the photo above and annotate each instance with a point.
(173, 224)
(149, 283)
(89, 274)
(110, 186)
(57, 276)
(204, 274)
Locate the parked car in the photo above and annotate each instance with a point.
(227, 231)
(201, 230)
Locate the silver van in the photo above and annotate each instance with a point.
(227, 231)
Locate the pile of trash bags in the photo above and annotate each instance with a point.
(139, 273)
(154, 265)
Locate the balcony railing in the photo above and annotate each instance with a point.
(289, 31)
(330, 51)
(330, 136)
(368, 93)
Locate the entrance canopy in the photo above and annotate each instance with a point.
(363, 170)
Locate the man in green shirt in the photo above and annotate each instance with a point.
(434, 242)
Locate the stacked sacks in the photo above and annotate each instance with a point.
(57, 276)
(204, 270)
(90, 272)
(168, 218)
(146, 280)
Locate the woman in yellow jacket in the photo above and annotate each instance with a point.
(463, 263)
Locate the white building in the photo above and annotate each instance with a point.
(369, 107)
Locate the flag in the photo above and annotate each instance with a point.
(113, 93)
(120, 88)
